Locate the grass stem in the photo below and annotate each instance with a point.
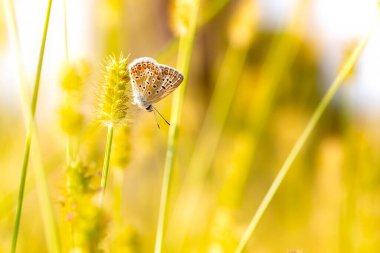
(301, 140)
(65, 28)
(184, 56)
(106, 163)
(69, 154)
(29, 131)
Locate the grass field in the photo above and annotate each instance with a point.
(274, 136)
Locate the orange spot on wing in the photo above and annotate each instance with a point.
(139, 67)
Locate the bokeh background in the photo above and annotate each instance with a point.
(258, 70)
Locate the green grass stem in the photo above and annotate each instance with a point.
(41, 183)
(29, 135)
(208, 139)
(106, 163)
(184, 56)
(302, 139)
(213, 8)
(69, 153)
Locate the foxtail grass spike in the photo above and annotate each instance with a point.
(113, 105)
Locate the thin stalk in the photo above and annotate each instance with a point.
(184, 55)
(106, 163)
(302, 139)
(41, 183)
(212, 9)
(65, 28)
(69, 153)
(207, 141)
(21, 190)
(30, 130)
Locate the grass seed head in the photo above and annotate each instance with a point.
(243, 24)
(115, 95)
(73, 80)
(180, 16)
(88, 220)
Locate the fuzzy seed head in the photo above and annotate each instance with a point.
(244, 23)
(74, 76)
(73, 80)
(115, 93)
(88, 220)
(71, 119)
(180, 16)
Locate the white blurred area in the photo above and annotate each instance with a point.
(336, 26)
(339, 25)
(333, 24)
(30, 17)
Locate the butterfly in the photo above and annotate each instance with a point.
(152, 81)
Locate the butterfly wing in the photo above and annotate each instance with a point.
(146, 76)
(170, 79)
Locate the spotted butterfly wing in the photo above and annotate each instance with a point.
(146, 77)
(151, 81)
(170, 80)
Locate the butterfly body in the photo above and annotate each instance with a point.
(152, 81)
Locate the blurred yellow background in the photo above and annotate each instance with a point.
(257, 72)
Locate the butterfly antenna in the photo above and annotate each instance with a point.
(155, 117)
(154, 109)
